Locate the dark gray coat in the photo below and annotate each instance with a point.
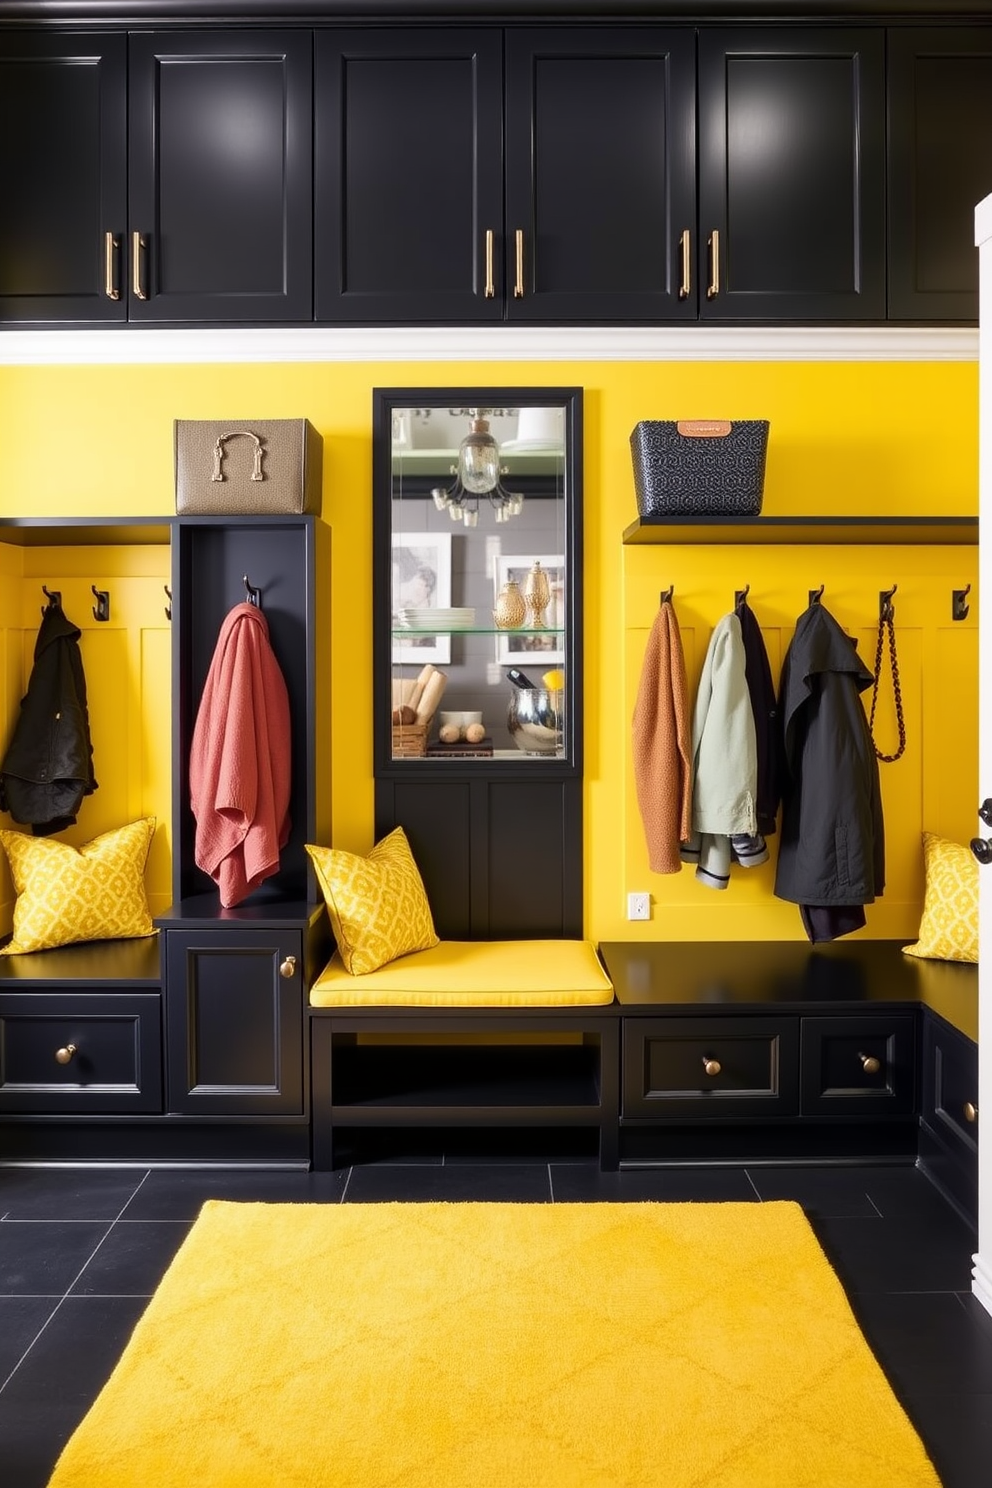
(48, 766)
(832, 849)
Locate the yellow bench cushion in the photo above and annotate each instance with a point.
(473, 973)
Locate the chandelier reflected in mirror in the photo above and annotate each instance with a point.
(478, 474)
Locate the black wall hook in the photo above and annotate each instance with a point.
(959, 607)
(54, 597)
(815, 595)
(665, 597)
(252, 592)
(101, 610)
(168, 595)
(740, 595)
(886, 609)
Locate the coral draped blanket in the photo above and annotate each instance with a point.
(239, 768)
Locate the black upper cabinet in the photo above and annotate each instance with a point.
(791, 175)
(220, 176)
(63, 102)
(409, 178)
(940, 167)
(161, 177)
(436, 174)
(592, 214)
(600, 174)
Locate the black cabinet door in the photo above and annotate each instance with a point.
(234, 1019)
(600, 174)
(500, 859)
(409, 180)
(220, 176)
(63, 100)
(940, 167)
(791, 174)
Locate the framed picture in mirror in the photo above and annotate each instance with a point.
(421, 585)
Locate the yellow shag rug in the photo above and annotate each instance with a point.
(497, 1346)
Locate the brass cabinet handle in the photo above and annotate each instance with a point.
(711, 1066)
(870, 1064)
(713, 288)
(64, 1056)
(109, 277)
(518, 288)
(970, 1111)
(288, 967)
(490, 289)
(137, 244)
(685, 243)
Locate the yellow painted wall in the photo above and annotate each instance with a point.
(885, 438)
(127, 665)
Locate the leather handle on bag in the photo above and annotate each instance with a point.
(704, 428)
(256, 469)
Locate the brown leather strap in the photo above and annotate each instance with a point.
(886, 623)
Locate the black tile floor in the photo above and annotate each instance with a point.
(82, 1250)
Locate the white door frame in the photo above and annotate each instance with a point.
(982, 1273)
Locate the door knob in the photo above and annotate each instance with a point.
(982, 848)
(985, 811)
(65, 1054)
(711, 1066)
(288, 967)
(870, 1064)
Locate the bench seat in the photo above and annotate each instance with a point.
(474, 974)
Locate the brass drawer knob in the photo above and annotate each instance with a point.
(711, 1066)
(64, 1056)
(970, 1111)
(288, 967)
(870, 1064)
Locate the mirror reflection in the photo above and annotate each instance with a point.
(478, 544)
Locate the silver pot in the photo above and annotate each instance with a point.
(535, 720)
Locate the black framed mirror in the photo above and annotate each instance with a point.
(477, 579)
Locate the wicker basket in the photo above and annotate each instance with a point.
(410, 740)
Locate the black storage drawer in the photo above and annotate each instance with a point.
(950, 1088)
(949, 1116)
(858, 1066)
(710, 1067)
(80, 1051)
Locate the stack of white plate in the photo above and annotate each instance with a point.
(436, 619)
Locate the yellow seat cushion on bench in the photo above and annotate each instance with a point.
(473, 973)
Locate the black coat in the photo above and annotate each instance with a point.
(48, 766)
(764, 706)
(832, 849)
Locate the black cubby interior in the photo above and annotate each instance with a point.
(211, 557)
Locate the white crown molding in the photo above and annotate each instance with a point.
(127, 346)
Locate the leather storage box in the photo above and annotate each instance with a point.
(247, 467)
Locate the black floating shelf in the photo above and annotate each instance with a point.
(847, 530)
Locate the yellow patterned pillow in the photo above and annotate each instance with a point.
(949, 927)
(65, 894)
(377, 905)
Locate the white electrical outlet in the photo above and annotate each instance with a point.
(638, 906)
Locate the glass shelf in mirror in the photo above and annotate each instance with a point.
(475, 552)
